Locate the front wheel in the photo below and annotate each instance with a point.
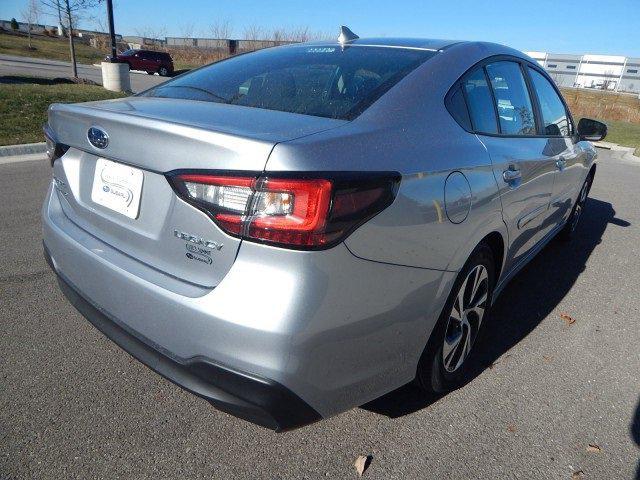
(568, 231)
(163, 71)
(444, 364)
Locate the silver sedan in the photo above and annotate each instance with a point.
(297, 231)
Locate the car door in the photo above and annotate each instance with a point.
(148, 61)
(563, 145)
(155, 60)
(136, 61)
(499, 99)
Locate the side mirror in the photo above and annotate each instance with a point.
(552, 129)
(591, 130)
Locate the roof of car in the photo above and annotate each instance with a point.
(420, 43)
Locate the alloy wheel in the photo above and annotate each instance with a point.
(465, 318)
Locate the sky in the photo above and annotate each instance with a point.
(610, 27)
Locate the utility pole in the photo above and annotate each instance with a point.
(115, 74)
(112, 35)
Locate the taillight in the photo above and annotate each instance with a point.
(313, 212)
(54, 149)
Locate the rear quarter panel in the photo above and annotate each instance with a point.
(410, 131)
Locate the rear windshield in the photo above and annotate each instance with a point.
(324, 81)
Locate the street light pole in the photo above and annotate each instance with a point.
(115, 74)
(112, 34)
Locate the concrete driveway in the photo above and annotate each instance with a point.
(37, 67)
(73, 405)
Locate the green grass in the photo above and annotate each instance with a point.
(50, 48)
(179, 66)
(624, 133)
(23, 106)
(619, 111)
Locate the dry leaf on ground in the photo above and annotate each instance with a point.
(593, 448)
(577, 475)
(362, 463)
(567, 318)
(500, 360)
(511, 428)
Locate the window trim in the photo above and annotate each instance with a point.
(496, 112)
(532, 95)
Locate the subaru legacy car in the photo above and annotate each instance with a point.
(296, 231)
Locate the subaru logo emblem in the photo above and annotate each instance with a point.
(98, 137)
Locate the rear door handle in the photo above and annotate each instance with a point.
(511, 174)
(561, 163)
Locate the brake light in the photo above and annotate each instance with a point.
(304, 213)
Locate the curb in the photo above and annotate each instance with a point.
(24, 149)
(30, 157)
(603, 145)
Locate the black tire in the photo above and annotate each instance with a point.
(568, 232)
(163, 71)
(432, 375)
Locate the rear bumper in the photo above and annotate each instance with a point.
(258, 400)
(331, 329)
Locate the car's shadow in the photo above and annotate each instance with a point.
(524, 303)
(635, 433)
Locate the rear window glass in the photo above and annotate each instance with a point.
(483, 114)
(324, 81)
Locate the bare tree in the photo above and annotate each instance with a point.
(296, 34)
(221, 29)
(31, 13)
(99, 22)
(70, 9)
(279, 35)
(253, 32)
(299, 34)
(156, 34)
(187, 29)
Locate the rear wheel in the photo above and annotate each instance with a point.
(444, 364)
(569, 229)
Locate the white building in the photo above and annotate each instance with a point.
(611, 72)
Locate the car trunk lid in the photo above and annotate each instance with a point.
(148, 138)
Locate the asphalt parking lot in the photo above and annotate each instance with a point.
(38, 67)
(73, 405)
